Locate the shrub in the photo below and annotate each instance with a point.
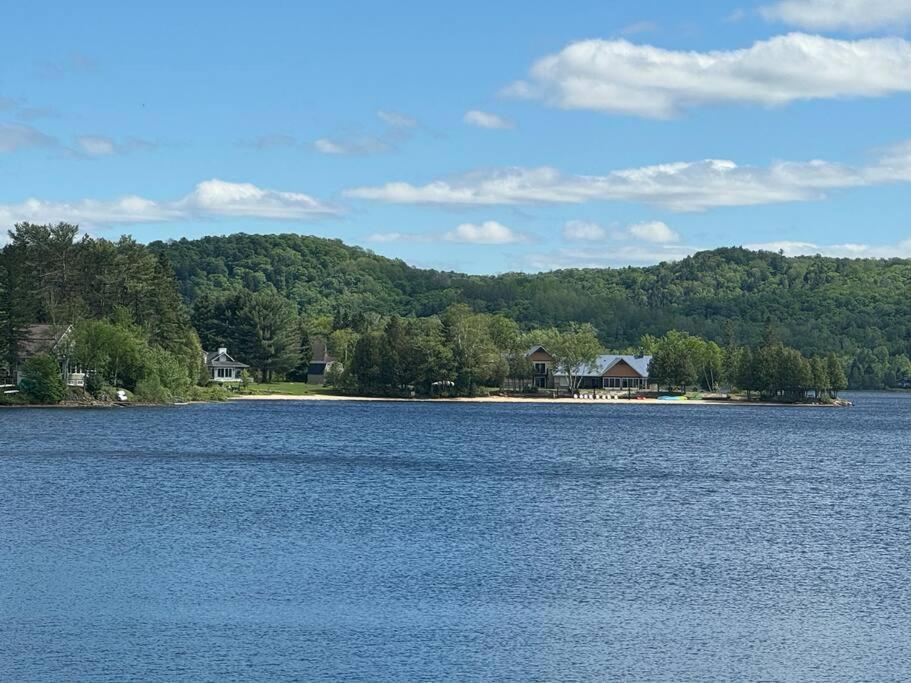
(213, 392)
(150, 390)
(42, 382)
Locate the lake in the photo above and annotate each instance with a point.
(415, 541)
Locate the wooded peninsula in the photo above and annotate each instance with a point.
(139, 317)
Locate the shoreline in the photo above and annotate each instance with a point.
(535, 400)
(475, 399)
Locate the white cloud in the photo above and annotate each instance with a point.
(89, 212)
(245, 199)
(619, 255)
(637, 254)
(486, 233)
(15, 136)
(100, 145)
(616, 76)
(655, 232)
(96, 145)
(852, 15)
(584, 231)
(901, 249)
(387, 237)
(208, 199)
(352, 147)
(484, 119)
(681, 186)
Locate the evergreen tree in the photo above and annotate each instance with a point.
(268, 333)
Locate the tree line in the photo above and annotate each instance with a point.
(266, 297)
(769, 369)
(131, 325)
(855, 308)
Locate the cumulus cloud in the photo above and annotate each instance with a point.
(16, 136)
(210, 198)
(619, 77)
(486, 233)
(681, 186)
(851, 15)
(655, 232)
(483, 119)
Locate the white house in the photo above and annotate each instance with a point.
(221, 367)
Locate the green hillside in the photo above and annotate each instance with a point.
(858, 308)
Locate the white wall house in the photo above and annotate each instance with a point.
(221, 367)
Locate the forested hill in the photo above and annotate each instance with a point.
(859, 308)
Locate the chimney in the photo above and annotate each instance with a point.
(222, 351)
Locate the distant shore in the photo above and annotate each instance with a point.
(531, 399)
(474, 399)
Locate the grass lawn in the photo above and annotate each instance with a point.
(290, 388)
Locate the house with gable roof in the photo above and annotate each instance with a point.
(221, 367)
(39, 339)
(609, 371)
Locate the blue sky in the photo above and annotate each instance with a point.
(482, 137)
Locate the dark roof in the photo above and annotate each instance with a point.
(317, 367)
(217, 359)
(40, 338)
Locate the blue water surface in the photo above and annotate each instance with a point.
(435, 541)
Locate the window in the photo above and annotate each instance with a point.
(540, 368)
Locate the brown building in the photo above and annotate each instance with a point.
(609, 371)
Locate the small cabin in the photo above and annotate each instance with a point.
(222, 368)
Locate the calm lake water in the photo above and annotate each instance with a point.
(414, 541)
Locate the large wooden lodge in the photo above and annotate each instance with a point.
(608, 371)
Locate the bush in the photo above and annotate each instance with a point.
(42, 382)
(13, 399)
(93, 383)
(214, 392)
(150, 390)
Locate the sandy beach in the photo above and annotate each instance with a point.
(515, 399)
